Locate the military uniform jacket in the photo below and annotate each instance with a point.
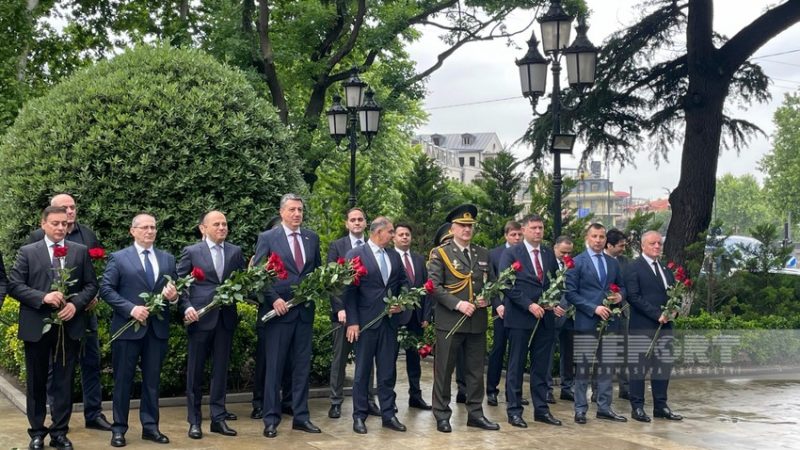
(456, 279)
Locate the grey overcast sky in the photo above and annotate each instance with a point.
(477, 90)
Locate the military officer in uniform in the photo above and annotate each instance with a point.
(459, 270)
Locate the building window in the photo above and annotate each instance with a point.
(461, 161)
(467, 139)
(594, 187)
(594, 205)
(472, 161)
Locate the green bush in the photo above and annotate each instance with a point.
(168, 131)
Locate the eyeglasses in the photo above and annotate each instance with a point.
(147, 227)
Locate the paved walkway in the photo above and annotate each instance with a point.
(707, 425)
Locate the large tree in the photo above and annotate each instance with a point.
(646, 97)
(782, 163)
(742, 204)
(500, 182)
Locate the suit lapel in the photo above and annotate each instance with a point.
(44, 255)
(208, 260)
(369, 260)
(306, 242)
(284, 251)
(523, 257)
(134, 261)
(226, 269)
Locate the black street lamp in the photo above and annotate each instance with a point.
(342, 120)
(581, 59)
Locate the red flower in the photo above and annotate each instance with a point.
(671, 265)
(97, 253)
(275, 264)
(425, 350)
(569, 263)
(680, 274)
(613, 288)
(198, 274)
(429, 287)
(517, 266)
(60, 251)
(688, 283)
(340, 261)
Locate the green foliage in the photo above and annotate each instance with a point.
(500, 182)
(637, 226)
(541, 194)
(782, 163)
(767, 256)
(741, 203)
(167, 131)
(424, 198)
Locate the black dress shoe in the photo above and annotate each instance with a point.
(611, 415)
(443, 426)
(394, 424)
(567, 395)
(99, 423)
(222, 428)
(61, 442)
(461, 398)
(550, 398)
(517, 421)
(271, 431)
(155, 436)
(287, 410)
(359, 426)
(580, 418)
(666, 413)
(640, 415)
(419, 403)
(373, 409)
(230, 416)
(117, 440)
(306, 426)
(195, 432)
(483, 423)
(524, 402)
(257, 413)
(624, 395)
(491, 399)
(37, 443)
(547, 418)
(335, 412)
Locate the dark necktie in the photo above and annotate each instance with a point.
(538, 265)
(409, 268)
(359, 243)
(149, 273)
(466, 255)
(298, 253)
(55, 262)
(601, 268)
(658, 274)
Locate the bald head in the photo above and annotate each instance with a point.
(67, 202)
(214, 227)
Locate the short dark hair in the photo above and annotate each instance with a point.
(614, 237)
(355, 208)
(511, 225)
(563, 239)
(594, 226)
(532, 218)
(404, 225)
(53, 210)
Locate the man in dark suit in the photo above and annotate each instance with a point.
(588, 284)
(616, 243)
(522, 314)
(458, 270)
(355, 222)
(213, 333)
(140, 268)
(513, 235)
(647, 282)
(291, 331)
(30, 282)
(89, 356)
(377, 344)
(415, 320)
(564, 328)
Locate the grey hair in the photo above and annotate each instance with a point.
(290, 196)
(136, 218)
(378, 224)
(650, 233)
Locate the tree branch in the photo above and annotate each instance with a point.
(267, 56)
(750, 38)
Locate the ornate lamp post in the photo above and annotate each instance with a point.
(343, 121)
(581, 60)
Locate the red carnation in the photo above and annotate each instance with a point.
(688, 283)
(613, 288)
(340, 261)
(198, 274)
(517, 266)
(429, 287)
(97, 253)
(670, 265)
(60, 251)
(569, 263)
(425, 350)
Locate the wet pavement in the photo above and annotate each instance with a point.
(719, 414)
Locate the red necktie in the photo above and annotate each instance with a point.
(409, 269)
(298, 253)
(538, 265)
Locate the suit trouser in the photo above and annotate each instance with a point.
(474, 347)
(376, 346)
(517, 356)
(566, 365)
(413, 367)
(496, 354)
(341, 350)
(39, 356)
(589, 361)
(284, 339)
(261, 371)
(216, 343)
(658, 366)
(148, 353)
